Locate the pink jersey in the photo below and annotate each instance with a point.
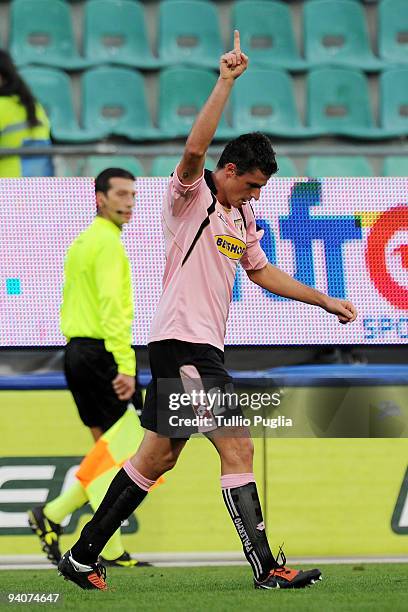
(204, 244)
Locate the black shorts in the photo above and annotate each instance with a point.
(89, 370)
(167, 357)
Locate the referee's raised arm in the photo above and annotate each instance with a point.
(232, 65)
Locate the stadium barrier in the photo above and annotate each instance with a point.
(340, 494)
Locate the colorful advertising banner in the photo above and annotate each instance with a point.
(345, 236)
(328, 497)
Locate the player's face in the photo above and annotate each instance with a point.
(240, 189)
(117, 204)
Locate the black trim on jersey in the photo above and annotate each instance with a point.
(211, 186)
(202, 227)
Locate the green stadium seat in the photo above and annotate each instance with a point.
(94, 164)
(264, 100)
(115, 33)
(338, 102)
(41, 32)
(340, 165)
(113, 100)
(394, 102)
(52, 87)
(267, 34)
(67, 166)
(189, 33)
(182, 94)
(335, 33)
(396, 165)
(164, 165)
(286, 167)
(393, 31)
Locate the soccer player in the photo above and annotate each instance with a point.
(209, 227)
(100, 364)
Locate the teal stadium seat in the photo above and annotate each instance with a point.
(264, 100)
(338, 102)
(182, 93)
(394, 102)
(267, 34)
(393, 31)
(340, 165)
(286, 167)
(335, 33)
(189, 33)
(115, 33)
(164, 165)
(41, 32)
(52, 87)
(94, 164)
(396, 165)
(113, 100)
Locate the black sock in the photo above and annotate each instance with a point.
(245, 510)
(121, 499)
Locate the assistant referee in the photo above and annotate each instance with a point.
(97, 308)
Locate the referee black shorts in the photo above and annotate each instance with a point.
(89, 371)
(167, 360)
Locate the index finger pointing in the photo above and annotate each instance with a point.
(237, 44)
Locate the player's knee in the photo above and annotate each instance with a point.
(239, 453)
(168, 461)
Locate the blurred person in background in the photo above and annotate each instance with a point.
(23, 123)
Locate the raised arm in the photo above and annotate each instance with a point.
(232, 65)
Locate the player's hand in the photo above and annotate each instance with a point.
(344, 310)
(234, 63)
(124, 386)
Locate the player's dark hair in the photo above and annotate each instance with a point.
(102, 181)
(13, 85)
(250, 152)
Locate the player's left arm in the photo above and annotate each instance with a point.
(277, 281)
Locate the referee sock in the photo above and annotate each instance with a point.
(73, 498)
(126, 492)
(242, 501)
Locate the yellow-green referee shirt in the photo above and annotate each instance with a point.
(97, 295)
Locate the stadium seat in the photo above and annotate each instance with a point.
(335, 33)
(286, 167)
(94, 164)
(338, 102)
(113, 100)
(267, 34)
(396, 165)
(393, 31)
(394, 102)
(67, 166)
(52, 87)
(182, 94)
(115, 33)
(41, 32)
(264, 100)
(341, 165)
(163, 165)
(189, 33)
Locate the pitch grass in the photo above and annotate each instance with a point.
(358, 588)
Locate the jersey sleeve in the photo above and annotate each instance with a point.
(254, 257)
(110, 275)
(184, 198)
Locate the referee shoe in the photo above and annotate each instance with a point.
(125, 560)
(48, 532)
